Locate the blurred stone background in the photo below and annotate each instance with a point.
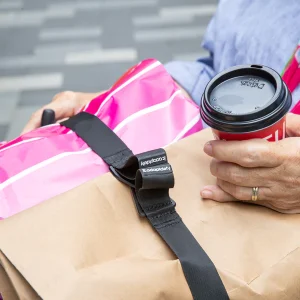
(47, 46)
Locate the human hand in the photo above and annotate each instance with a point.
(293, 125)
(65, 104)
(274, 167)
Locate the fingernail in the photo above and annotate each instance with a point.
(206, 194)
(208, 149)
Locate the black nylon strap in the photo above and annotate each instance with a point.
(101, 139)
(150, 177)
(200, 273)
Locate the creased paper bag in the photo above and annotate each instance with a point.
(6, 288)
(90, 243)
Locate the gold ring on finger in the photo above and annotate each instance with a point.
(254, 194)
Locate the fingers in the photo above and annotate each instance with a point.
(293, 125)
(63, 105)
(225, 192)
(35, 120)
(249, 154)
(242, 176)
(243, 193)
(214, 192)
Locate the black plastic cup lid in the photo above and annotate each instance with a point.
(245, 99)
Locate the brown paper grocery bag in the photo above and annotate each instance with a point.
(6, 288)
(12, 284)
(90, 243)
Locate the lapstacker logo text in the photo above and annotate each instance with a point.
(153, 160)
(157, 169)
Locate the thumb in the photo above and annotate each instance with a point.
(293, 125)
(61, 111)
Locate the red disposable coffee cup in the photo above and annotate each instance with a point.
(246, 102)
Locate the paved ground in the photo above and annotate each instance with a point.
(47, 46)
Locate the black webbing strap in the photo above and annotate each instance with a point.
(100, 139)
(150, 177)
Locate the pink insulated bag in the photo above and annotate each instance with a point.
(145, 108)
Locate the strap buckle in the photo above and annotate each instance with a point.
(131, 184)
(121, 178)
(152, 175)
